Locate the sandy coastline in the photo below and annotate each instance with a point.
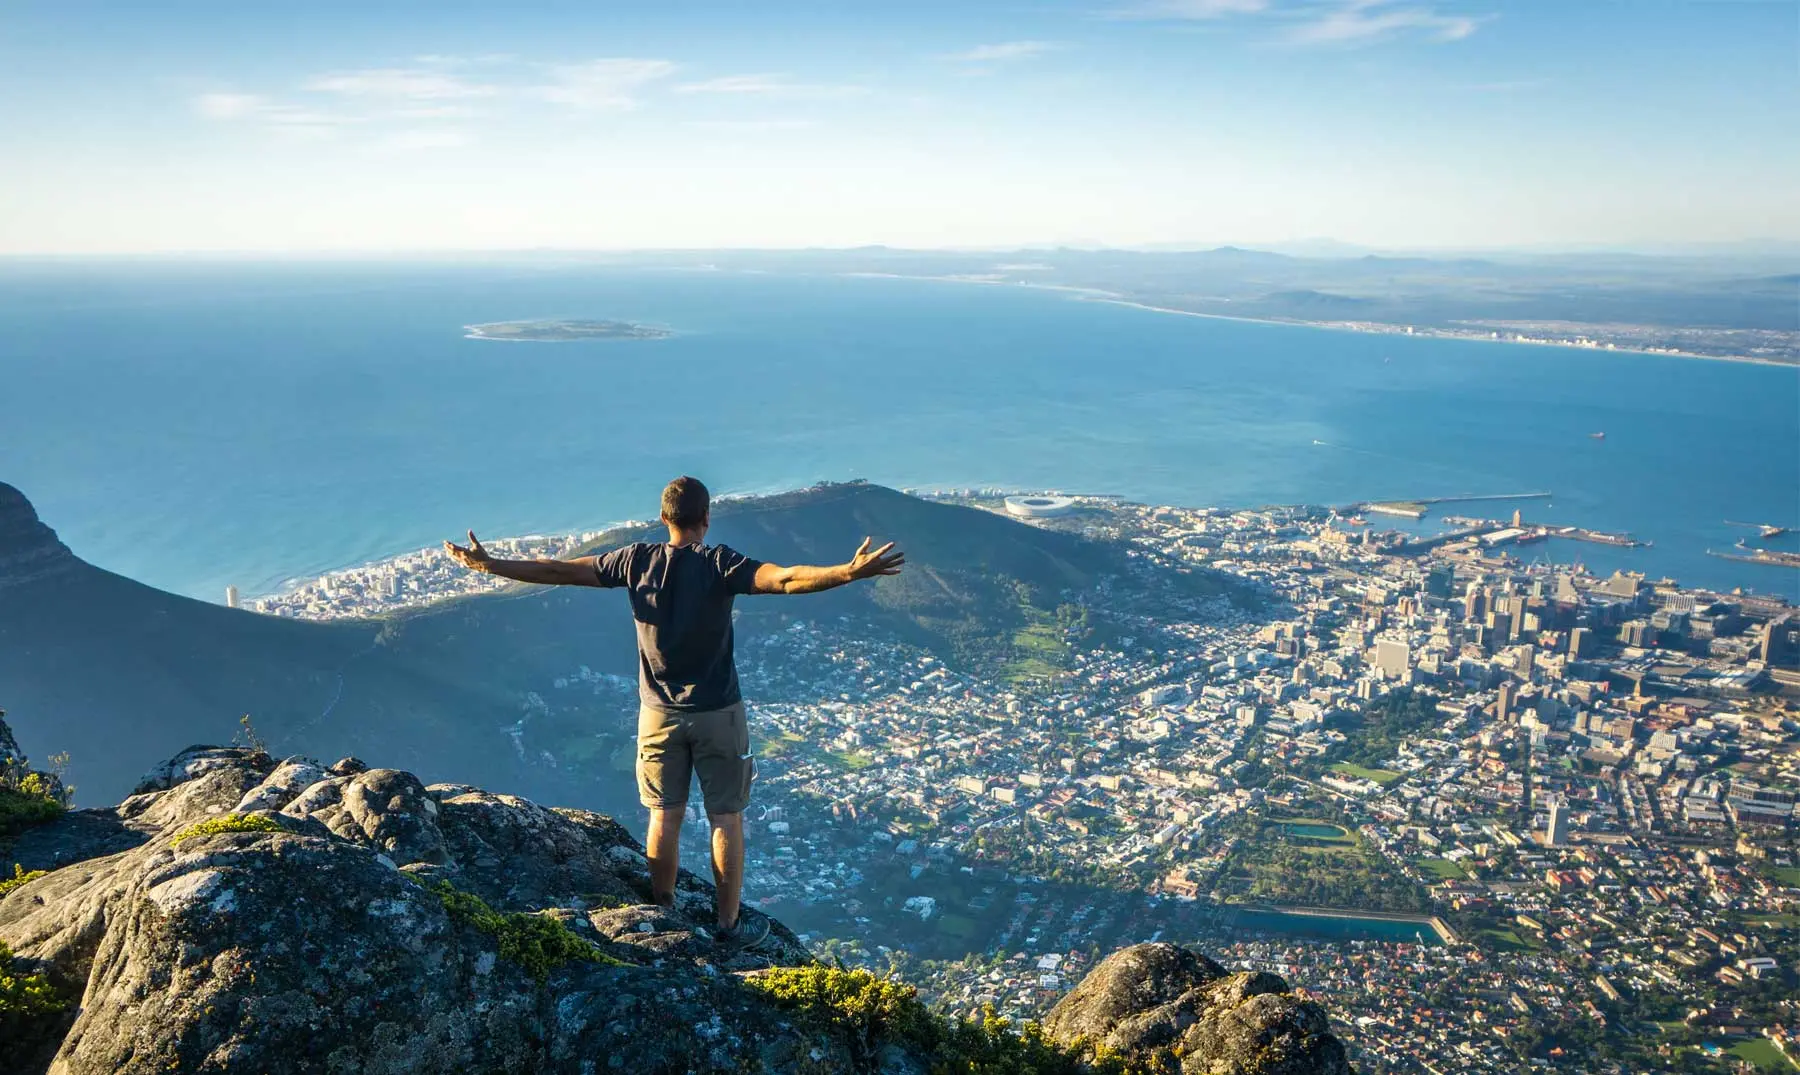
(1439, 334)
(1094, 294)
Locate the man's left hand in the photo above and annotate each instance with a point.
(474, 557)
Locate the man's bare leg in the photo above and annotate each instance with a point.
(728, 865)
(663, 848)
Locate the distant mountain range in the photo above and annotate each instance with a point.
(112, 671)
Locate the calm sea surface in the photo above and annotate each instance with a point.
(193, 425)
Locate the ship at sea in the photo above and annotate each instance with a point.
(1598, 436)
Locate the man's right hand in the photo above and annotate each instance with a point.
(886, 560)
(474, 557)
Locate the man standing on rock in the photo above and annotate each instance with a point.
(691, 714)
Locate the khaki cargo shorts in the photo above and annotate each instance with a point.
(714, 743)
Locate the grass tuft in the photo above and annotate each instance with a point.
(865, 1013)
(212, 826)
(30, 1007)
(19, 877)
(537, 943)
(30, 801)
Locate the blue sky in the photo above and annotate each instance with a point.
(1393, 123)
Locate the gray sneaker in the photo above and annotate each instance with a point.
(751, 930)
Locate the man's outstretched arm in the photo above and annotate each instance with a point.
(576, 572)
(887, 560)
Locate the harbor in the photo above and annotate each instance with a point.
(1487, 533)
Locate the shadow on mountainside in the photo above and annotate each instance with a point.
(110, 670)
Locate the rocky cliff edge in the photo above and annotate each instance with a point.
(241, 913)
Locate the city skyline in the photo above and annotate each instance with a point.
(1382, 123)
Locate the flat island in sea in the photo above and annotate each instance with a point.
(564, 330)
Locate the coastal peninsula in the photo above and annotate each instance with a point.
(564, 331)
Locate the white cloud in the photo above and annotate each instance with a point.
(1324, 22)
(610, 84)
(767, 86)
(431, 112)
(1004, 51)
(736, 126)
(1363, 22)
(1195, 9)
(235, 107)
(229, 105)
(438, 59)
(1511, 85)
(407, 83)
(429, 138)
(737, 84)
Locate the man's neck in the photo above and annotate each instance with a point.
(686, 537)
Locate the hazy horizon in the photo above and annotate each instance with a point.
(1316, 248)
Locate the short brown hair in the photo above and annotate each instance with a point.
(685, 502)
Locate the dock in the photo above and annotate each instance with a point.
(1416, 507)
(1760, 556)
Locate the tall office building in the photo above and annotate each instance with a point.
(1781, 641)
(1565, 589)
(1580, 642)
(1526, 666)
(1500, 624)
(1557, 833)
(1474, 603)
(231, 597)
(1392, 657)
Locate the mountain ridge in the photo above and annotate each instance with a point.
(29, 549)
(115, 669)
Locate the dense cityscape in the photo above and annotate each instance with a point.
(1491, 812)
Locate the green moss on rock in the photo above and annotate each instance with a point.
(31, 1009)
(32, 802)
(212, 826)
(19, 877)
(537, 943)
(867, 1013)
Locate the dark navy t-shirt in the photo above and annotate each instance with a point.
(681, 597)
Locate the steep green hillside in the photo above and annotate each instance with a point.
(126, 668)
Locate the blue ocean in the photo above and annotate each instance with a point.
(196, 424)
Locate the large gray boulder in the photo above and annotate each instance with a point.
(323, 945)
(244, 914)
(1161, 1001)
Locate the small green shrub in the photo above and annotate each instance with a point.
(227, 823)
(30, 1008)
(867, 1012)
(29, 801)
(19, 877)
(537, 943)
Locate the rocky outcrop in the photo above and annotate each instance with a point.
(243, 913)
(28, 549)
(1153, 999)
